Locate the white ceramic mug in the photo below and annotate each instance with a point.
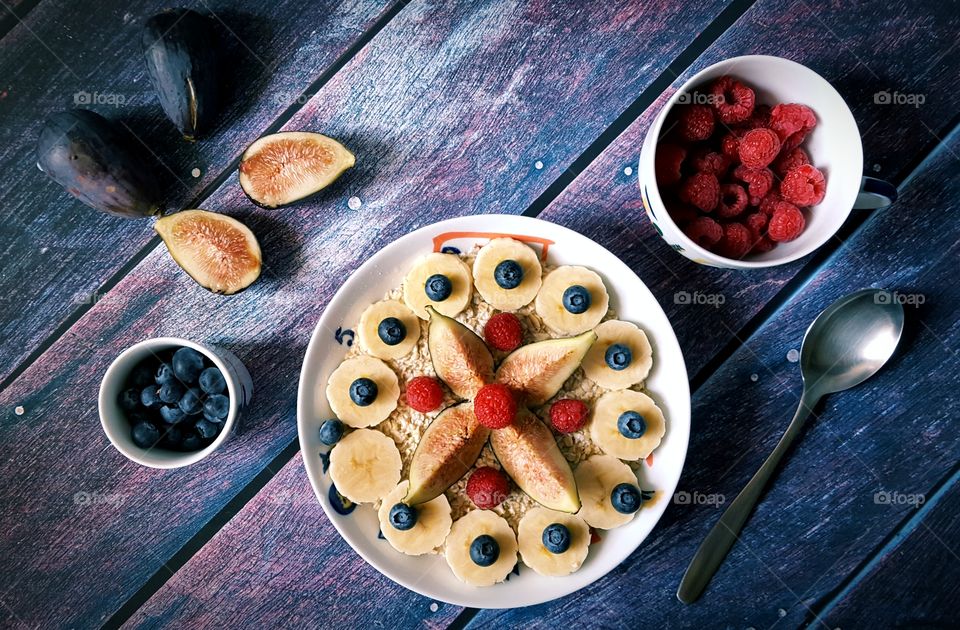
(834, 147)
(114, 420)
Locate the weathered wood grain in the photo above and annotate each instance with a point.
(448, 109)
(65, 53)
(820, 518)
(861, 50)
(335, 589)
(916, 583)
(588, 206)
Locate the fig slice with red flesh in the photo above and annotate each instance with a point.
(283, 168)
(459, 356)
(446, 451)
(217, 251)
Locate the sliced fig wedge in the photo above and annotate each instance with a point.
(459, 356)
(284, 168)
(529, 453)
(219, 252)
(446, 451)
(539, 370)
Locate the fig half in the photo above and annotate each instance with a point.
(217, 251)
(284, 168)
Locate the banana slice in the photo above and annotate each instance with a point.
(431, 527)
(351, 396)
(507, 274)
(530, 535)
(450, 285)
(596, 479)
(365, 465)
(464, 532)
(388, 330)
(630, 360)
(627, 424)
(572, 300)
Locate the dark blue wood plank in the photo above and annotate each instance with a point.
(915, 583)
(66, 51)
(448, 109)
(821, 518)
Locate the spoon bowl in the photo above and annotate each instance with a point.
(850, 341)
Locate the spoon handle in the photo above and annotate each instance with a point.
(718, 542)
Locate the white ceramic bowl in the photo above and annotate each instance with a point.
(430, 575)
(834, 147)
(114, 421)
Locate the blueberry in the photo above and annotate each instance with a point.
(141, 375)
(438, 287)
(171, 392)
(172, 437)
(209, 418)
(207, 429)
(576, 299)
(626, 498)
(129, 399)
(164, 374)
(556, 538)
(484, 550)
(211, 381)
(391, 331)
(171, 414)
(618, 357)
(340, 503)
(149, 397)
(331, 431)
(145, 435)
(403, 517)
(631, 425)
(191, 442)
(187, 364)
(217, 406)
(137, 416)
(508, 274)
(363, 392)
(192, 401)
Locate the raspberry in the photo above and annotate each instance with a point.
(708, 161)
(503, 332)
(760, 117)
(733, 200)
(736, 242)
(786, 223)
(803, 185)
(730, 145)
(667, 162)
(759, 147)
(788, 119)
(696, 122)
(759, 182)
(788, 159)
(495, 406)
(681, 212)
(487, 487)
(769, 203)
(701, 190)
(568, 415)
(763, 245)
(424, 394)
(704, 231)
(733, 100)
(757, 224)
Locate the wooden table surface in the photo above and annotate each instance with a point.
(535, 107)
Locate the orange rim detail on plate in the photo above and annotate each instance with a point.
(440, 239)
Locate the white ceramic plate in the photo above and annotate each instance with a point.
(429, 575)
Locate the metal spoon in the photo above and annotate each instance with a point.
(844, 346)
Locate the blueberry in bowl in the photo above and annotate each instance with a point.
(170, 402)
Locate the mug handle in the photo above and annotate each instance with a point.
(875, 193)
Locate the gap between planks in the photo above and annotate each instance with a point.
(285, 116)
